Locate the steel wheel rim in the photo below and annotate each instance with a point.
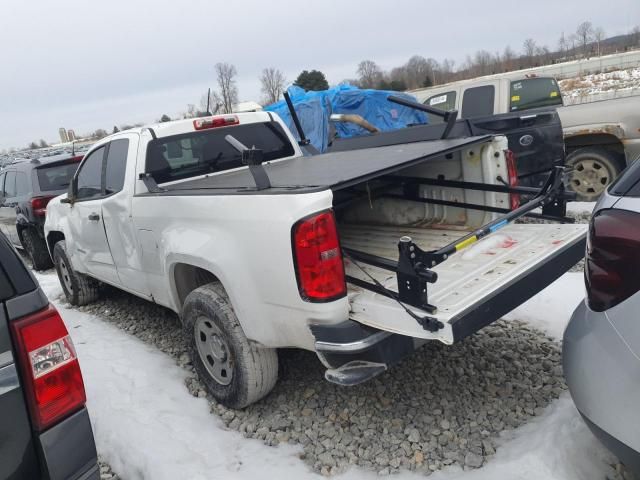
(213, 350)
(589, 178)
(65, 274)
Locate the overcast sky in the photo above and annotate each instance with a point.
(87, 64)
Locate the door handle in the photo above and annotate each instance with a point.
(94, 217)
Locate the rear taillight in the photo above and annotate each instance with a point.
(512, 173)
(215, 122)
(318, 258)
(50, 371)
(612, 262)
(39, 205)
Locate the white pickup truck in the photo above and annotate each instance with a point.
(601, 138)
(360, 256)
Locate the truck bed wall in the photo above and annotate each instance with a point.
(479, 164)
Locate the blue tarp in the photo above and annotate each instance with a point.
(315, 108)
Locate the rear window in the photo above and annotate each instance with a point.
(56, 177)
(198, 153)
(534, 93)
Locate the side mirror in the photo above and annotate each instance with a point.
(70, 194)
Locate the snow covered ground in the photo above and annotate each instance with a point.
(148, 426)
(601, 86)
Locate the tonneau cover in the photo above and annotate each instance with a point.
(335, 170)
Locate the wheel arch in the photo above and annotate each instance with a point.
(186, 277)
(600, 140)
(54, 237)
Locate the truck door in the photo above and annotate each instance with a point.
(88, 244)
(8, 208)
(116, 212)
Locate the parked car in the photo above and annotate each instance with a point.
(26, 187)
(601, 346)
(45, 430)
(262, 248)
(601, 138)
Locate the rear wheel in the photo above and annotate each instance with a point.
(235, 371)
(36, 248)
(593, 169)
(78, 288)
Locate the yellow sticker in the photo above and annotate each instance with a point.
(554, 94)
(515, 98)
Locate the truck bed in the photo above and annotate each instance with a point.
(465, 281)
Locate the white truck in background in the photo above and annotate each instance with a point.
(601, 138)
(360, 256)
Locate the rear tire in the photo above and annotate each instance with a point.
(78, 288)
(593, 169)
(235, 371)
(36, 248)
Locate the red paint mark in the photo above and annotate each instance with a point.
(489, 253)
(508, 243)
(556, 242)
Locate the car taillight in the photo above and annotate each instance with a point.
(612, 262)
(512, 173)
(319, 265)
(39, 205)
(50, 370)
(215, 122)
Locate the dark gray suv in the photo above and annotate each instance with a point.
(45, 431)
(25, 189)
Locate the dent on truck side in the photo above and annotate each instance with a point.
(55, 227)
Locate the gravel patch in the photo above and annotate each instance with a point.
(445, 405)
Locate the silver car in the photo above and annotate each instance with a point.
(601, 346)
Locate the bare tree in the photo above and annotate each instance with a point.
(190, 113)
(446, 70)
(483, 61)
(369, 74)
(635, 35)
(273, 83)
(598, 36)
(573, 41)
(227, 89)
(508, 58)
(417, 71)
(563, 45)
(529, 47)
(584, 34)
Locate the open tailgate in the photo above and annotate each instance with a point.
(475, 287)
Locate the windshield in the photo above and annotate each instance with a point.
(198, 153)
(534, 93)
(56, 177)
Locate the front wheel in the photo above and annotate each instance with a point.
(592, 170)
(235, 371)
(78, 288)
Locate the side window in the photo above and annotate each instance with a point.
(478, 101)
(442, 101)
(10, 185)
(90, 176)
(116, 165)
(22, 187)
